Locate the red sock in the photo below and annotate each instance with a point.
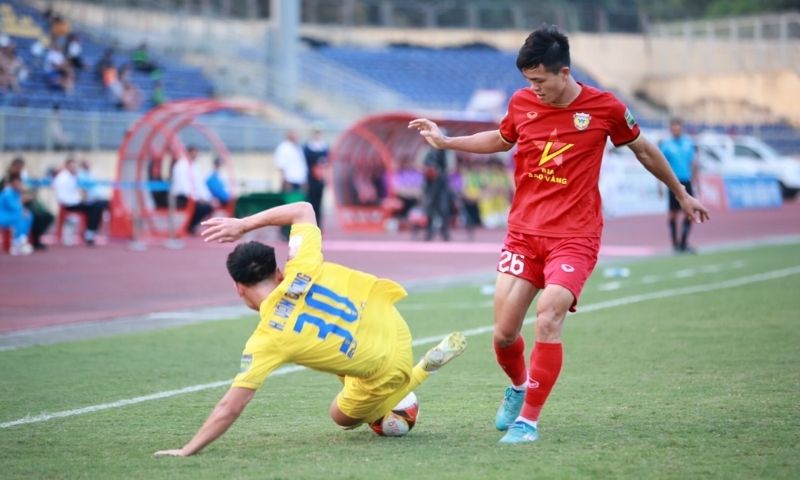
(545, 366)
(512, 360)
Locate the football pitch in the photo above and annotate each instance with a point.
(687, 368)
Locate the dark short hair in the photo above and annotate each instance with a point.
(251, 263)
(544, 46)
(675, 121)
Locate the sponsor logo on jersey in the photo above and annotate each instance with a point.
(629, 119)
(532, 115)
(581, 120)
(567, 267)
(247, 360)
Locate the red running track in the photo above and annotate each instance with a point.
(68, 285)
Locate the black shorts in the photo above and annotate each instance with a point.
(674, 206)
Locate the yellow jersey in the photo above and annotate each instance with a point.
(323, 316)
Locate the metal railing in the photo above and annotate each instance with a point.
(42, 129)
(732, 45)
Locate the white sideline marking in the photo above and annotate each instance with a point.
(672, 292)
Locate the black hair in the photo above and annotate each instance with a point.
(544, 46)
(251, 263)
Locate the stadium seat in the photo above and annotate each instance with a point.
(61, 218)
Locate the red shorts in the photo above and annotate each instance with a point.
(547, 260)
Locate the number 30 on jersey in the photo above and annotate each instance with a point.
(513, 263)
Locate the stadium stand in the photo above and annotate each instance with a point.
(445, 79)
(26, 26)
(436, 78)
(89, 116)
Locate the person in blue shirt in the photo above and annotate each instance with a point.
(216, 184)
(15, 216)
(681, 153)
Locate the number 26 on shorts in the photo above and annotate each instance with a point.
(513, 263)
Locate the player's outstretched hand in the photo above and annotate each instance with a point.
(223, 229)
(171, 453)
(694, 210)
(429, 130)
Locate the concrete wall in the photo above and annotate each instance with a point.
(731, 98)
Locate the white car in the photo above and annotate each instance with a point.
(744, 155)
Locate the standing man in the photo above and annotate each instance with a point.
(436, 194)
(291, 162)
(316, 153)
(560, 127)
(320, 315)
(681, 153)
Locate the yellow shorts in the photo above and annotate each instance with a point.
(360, 397)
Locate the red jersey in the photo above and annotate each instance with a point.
(557, 162)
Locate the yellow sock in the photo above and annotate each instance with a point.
(418, 375)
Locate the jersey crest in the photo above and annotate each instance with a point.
(581, 120)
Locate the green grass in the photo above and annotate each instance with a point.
(691, 386)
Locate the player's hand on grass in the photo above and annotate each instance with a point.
(430, 131)
(223, 229)
(171, 453)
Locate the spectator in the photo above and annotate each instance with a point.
(107, 60)
(55, 130)
(59, 29)
(12, 68)
(15, 216)
(289, 158)
(498, 189)
(188, 184)
(217, 184)
(316, 153)
(87, 181)
(471, 188)
(73, 198)
(407, 184)
(74, 51)
(436, 194)
(142, 61)
(131, 99)
(42, 218)
(159, 96)
(37, 50)
(57, 71)
(154, 174)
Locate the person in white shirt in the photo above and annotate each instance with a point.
(188, 182)
(291, 161)
(72, 197)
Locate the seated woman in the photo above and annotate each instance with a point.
(14, 216)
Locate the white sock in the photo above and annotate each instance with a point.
(520, 388)
(532, 423)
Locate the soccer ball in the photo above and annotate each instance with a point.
(400, 420)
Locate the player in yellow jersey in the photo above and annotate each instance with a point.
(320, 315)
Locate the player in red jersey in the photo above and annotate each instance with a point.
(560, 128)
